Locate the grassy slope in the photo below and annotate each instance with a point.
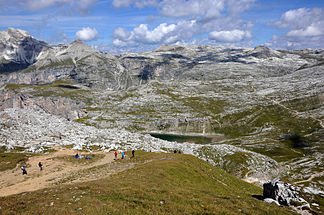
(10, 160)
(159, 184)
(53, 89)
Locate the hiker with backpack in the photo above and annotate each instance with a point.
(40, 165)
(24, 171)
(123, 155)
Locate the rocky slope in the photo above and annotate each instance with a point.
(265, 105)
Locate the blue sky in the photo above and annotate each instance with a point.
(140, 25)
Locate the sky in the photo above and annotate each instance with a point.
(118, 26)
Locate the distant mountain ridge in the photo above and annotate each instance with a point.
(20, 51)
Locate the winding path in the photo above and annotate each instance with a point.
(310, 178)
(56, 171)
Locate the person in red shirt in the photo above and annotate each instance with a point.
(115, 155)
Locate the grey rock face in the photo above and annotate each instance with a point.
(59, 106)
(18, 49)
(39, 77)
(283, 193)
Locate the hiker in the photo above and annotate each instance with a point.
(123, 155)
(133, 153)
(76, 156)
(24, 170)
(115, 155)
(40, 165)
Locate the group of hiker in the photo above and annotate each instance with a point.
(87, 157)
(123, 155)
(40, 165)
(24, 171)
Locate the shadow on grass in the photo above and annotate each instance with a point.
(259, 197)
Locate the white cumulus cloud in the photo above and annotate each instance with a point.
(192, 18)
(229, 36)
(305, 29)
(121, 33)
(303, 22)
(142, 34)
(163, 33)
(86, 34)
(300, 18)
(309, 31)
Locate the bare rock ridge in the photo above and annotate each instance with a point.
(18, 49)
(97, 69)
(262, 109)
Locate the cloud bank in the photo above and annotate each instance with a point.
(192, 8)
(218, 18)
(303, 22)
(80, 6)
(163, 33)
(137, 3)
(305, 29)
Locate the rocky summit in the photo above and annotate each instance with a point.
(260, 110)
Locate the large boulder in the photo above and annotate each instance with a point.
(284, 194)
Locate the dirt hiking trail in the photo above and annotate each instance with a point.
(56, 171)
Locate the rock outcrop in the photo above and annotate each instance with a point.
(58, 106)
(284, 194)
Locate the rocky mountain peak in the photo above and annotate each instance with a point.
(14, 37)
(78, 45)
(17, 33)
(76, 42)
(262, 52)
(18, 49)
